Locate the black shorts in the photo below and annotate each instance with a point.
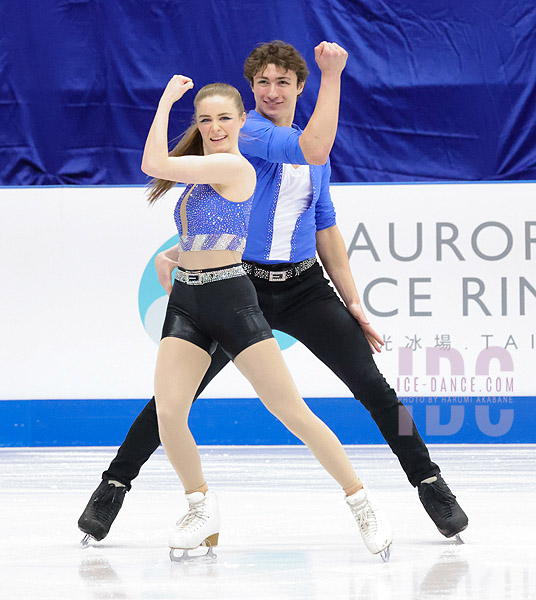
(224, 312)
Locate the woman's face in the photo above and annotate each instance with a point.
(219, 122)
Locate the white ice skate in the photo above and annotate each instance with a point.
(200, 526)
(373, 523)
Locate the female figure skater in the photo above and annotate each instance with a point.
(213, 301)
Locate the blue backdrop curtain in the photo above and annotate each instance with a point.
(433, 91)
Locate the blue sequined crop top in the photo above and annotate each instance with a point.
(207, 221)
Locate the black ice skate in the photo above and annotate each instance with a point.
(440, 504)
(101, 510)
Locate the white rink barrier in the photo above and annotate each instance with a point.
(446, 273)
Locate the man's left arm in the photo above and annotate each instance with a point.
(318, 136)
(332, 252)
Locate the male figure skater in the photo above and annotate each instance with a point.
(292, 220)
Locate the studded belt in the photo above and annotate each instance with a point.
(201, 277)
(255, 270)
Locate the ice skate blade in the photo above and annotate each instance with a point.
(455, 536)
(84, 542)
(386, 554)
(185, 557)
(209, 556)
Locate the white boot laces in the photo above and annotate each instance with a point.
(194, 518)
(366, 518)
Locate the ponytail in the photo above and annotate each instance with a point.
(190, 143)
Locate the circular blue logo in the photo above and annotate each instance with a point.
(152, 301)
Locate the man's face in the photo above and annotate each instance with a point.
(276, 92)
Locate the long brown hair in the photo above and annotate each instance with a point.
(191, 142)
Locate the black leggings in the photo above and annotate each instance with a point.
(307, 308)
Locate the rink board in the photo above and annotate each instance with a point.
(244, 421)
(445, 273)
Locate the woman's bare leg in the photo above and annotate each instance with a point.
(264, 367)
(180, 367)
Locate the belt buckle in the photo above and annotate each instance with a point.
(277, 276)
(194, 278)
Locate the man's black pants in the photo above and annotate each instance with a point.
(307, 308)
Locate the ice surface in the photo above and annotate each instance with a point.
(286, 530)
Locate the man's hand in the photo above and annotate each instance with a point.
(330, 58)
(164, 267)
(375, 341)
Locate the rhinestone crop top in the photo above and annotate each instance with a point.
(207, 221)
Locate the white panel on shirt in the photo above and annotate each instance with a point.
(295, 196)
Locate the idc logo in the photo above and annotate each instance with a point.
(152, 301)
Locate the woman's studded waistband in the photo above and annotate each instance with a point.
(209, 276)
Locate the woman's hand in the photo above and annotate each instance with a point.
(177, 86)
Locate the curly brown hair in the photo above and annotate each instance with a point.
(276, 53)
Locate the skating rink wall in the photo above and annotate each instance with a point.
(446, 273)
